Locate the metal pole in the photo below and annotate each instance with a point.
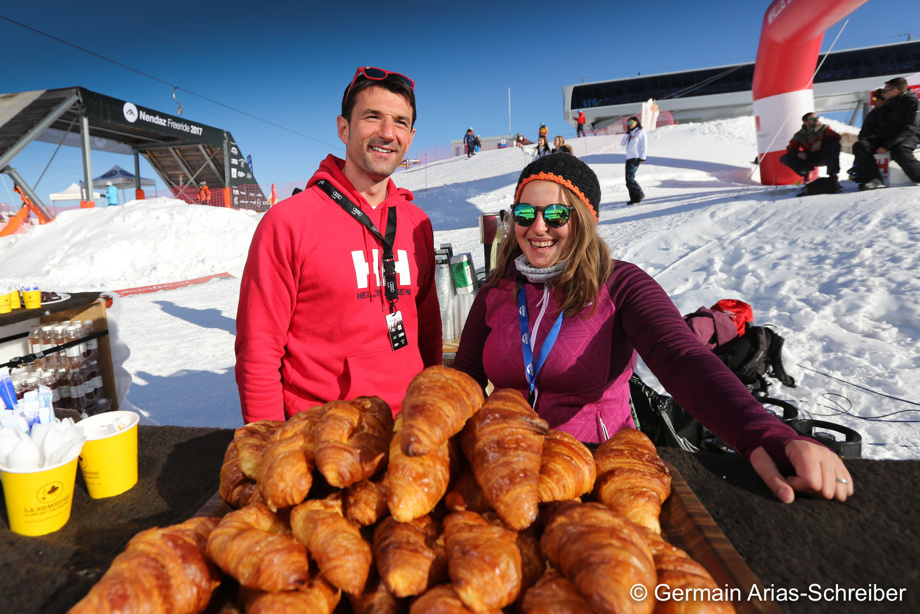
(28, 192)
(509, 110)
(87, 164)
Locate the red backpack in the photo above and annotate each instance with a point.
(739, 311)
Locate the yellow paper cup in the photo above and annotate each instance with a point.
(38, 502)
(32, 298)
(109, 459)
(5, 303)
(15, 300)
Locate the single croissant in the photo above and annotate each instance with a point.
(567, 468)
(553, 594)
(352, 440)
(631, 478)
(286, 475)
(438, 402)
(678, 571)
(251, 441)
(160, 570)
(256, 547)
(410, 557)
(317, 597)
(376, 599)
(415, 484)
(444, 600)
(504, 445)
(483, 560)
(602, 554)
(366, 502)
(235, 488)
(341, 554)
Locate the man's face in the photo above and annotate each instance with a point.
(889, 92)
(378, 134)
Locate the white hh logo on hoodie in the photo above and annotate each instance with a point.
(363, 272)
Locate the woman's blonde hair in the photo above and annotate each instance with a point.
(587, 259)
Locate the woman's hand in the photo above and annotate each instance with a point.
(818, 471)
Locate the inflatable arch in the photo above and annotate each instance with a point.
(790, 42)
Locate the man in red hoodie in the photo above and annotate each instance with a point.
(337, 298)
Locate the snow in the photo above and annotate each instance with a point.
(837, 275)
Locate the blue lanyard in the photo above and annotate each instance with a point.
(531, 369)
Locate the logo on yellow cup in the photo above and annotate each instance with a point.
(50, 492)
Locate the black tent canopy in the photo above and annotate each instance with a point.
(182, 152)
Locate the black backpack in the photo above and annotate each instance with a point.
(754, 356)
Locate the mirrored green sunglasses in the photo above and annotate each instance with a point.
(555, 216)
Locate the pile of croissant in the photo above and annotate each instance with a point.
(460, 504)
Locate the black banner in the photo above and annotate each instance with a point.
(106, 108)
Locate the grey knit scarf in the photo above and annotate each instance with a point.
(535, 275)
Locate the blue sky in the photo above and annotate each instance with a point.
(288, 63)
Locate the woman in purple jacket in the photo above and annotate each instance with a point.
(561, 322)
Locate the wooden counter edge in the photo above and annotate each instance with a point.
(688, 525)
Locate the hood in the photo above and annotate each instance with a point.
(331, 168)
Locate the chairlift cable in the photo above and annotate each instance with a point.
(172, 85)
(53, 155)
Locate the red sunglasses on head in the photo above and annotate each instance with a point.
(377, 74)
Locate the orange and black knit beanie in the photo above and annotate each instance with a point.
(566, 170)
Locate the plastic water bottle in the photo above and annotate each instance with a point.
(74, 354)
(35, 344)
(47, 338)
(445, 289)
(63, 380)
(91, 349)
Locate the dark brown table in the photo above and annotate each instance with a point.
(871, 542)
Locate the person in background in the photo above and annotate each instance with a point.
(543, 131)
(897, 133)
(816, 144)
(562, 323)
(520, 140)
(636, 149)
(204, 193)
(477, 144)
(558, 142)
(334, 268)
(469, 140)
(111, 194)
(542, 147)
(580, 122)
(869, 127)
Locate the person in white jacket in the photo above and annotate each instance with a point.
(634, 140)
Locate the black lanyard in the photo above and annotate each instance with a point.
(389, 263)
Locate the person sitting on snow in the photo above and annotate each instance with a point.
(898, 133)
(814, 145)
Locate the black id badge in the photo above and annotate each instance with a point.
(397, 330)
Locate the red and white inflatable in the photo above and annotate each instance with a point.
(790, 42)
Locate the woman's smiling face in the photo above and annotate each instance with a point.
(543, 245)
